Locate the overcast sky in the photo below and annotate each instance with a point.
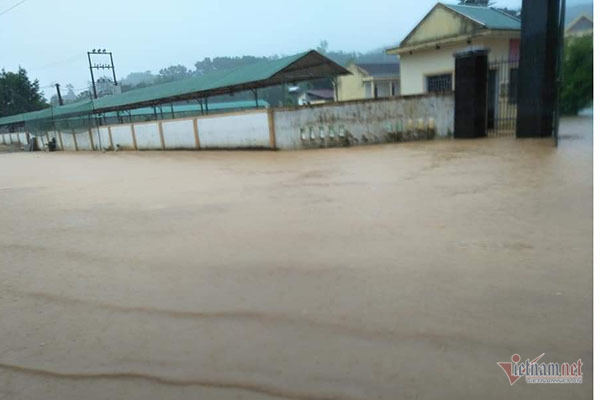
(50, 37)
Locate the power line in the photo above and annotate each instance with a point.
(57, 63)
(12, 7)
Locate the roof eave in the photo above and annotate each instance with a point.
(454, 39)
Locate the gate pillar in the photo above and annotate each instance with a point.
(470, 93)
(540, 46)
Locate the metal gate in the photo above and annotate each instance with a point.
(503, 84)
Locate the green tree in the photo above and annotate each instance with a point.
(18, 94)
(482, 3)
(173, 73)
(577, 89)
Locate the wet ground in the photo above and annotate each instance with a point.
(401, 271)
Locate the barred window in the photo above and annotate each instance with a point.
(439, 83)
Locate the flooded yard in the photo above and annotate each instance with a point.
(401, 271)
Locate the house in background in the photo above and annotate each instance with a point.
(427, 53)
(315, 96)
(369, 81)
(580, 26)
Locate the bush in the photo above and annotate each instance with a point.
(577, 89)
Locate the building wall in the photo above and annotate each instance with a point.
(358, 86)
(417, 66)
(365, 122)
(384, 87)
(441, 23)
(351, 87)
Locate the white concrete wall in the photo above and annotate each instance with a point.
(327, 125)
(83, 141)
(101, 138)
(147, 136)
(121, 135)
(414, 68)
(247, 130)
(13, 138)
(179, 134)
(365, 122)
(68, 141)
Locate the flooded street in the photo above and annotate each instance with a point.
(402, 271)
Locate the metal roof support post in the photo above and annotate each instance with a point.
(162, 115)
(53, 121)
(155, 115)
(255, 91)
(97, 131)
(130, 119)
(172, 111)
(199, 101)
(206, 104)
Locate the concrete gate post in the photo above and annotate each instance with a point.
(470, 93)
(540, 46)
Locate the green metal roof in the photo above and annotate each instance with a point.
(194, 108)
(488, 17)
(300, 67)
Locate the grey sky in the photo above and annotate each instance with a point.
(50, 37)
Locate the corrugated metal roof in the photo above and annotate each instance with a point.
(380, 69)
(488, 17)
(196, 108)
(321, 93)
(303, 66)
(185, 108)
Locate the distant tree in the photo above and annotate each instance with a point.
(222, 63)
(480, 3)
(173, 73)
(577, 89)
(18, 94)
(323, 47)
(85, 95)
(136, 78)
(515, 12)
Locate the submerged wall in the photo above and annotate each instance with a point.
(350, 123)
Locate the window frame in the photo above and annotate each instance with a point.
(439, 74)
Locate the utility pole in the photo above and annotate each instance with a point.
(92, 73)
(101, 53)
(60, 99)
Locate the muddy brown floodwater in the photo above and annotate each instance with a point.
(402, 271)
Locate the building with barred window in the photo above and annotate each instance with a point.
(427, 52)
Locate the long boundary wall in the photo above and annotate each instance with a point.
(328, 125)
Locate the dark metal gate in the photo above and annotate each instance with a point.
(503, 83)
